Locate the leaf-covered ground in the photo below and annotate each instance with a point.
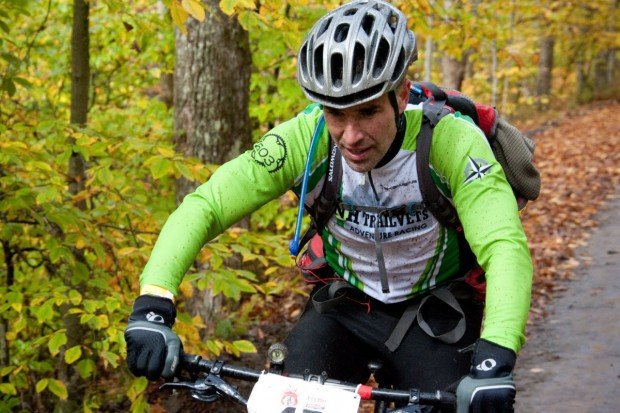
(578, 155)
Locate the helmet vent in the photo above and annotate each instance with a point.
(383, 52)
(319, 76)
(393, 22)
(350, 12)
(324, 27)
(341, 33)
(336, 72)
(359, 57)
(367, 23)
(373, 45)
(303, 59)
(400, 64)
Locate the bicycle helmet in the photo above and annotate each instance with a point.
(355, 53)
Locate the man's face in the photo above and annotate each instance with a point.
(364, 132)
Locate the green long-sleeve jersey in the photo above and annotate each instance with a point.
(418, 252)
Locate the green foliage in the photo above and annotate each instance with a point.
(11, 56)
(61, 262)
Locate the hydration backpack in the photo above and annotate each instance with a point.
(512, 149)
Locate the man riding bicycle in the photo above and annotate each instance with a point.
(419, 313)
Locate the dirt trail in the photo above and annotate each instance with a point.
(571, 362)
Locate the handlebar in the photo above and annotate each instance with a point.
(210, 388)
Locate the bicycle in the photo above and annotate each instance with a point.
(307, 393)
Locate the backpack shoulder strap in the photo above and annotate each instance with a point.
(327, 201)
(434, 200)
(325, 205)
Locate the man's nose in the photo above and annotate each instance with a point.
(351, 132)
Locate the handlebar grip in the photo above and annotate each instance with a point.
(190, 362)
(440, 398)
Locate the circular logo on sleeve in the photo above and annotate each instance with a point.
(270, 152)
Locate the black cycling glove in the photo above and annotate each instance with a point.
(153, 349)
(489, 387)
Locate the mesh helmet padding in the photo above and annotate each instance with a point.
(355, 53)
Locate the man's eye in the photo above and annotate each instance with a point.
(334, 113)
(368, 112)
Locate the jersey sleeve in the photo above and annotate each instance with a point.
(463, 159)
(236, 189)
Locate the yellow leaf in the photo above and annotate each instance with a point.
(271, 270)
(227, 6)
(102, 321)
(80, 243)
(198, 322)
(186, 289)
(247, 4)
(8, 388)
(41, 385)
(57, 340)
(179, 16)
(58, 388)
(167, 152)
(126, 251)
(73, 354)
(194, 8)
(13, 144)
(244, 346)
(42, 165)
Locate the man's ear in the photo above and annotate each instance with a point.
(403, 95)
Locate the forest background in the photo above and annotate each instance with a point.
(111, 111)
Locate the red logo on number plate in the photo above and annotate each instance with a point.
(289, 398)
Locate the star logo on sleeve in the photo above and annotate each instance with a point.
(476, 169)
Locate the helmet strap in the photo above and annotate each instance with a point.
(401, 125)
(398, 117)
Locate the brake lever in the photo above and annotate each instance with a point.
(208, 389)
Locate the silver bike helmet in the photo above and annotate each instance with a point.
(355, 53)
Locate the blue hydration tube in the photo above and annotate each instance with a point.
(294, 246)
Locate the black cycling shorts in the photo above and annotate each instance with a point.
(344, 340)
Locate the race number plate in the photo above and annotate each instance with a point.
(273, 393)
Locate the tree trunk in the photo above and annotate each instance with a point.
(80, 85)
(10, 278)
(611, 67)
(453, 72)
(494, 79)
(211, 97)
(545, 69)
(583, 87)
(603, 78)
(428, 62)
(428, 49)
(453, 68)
